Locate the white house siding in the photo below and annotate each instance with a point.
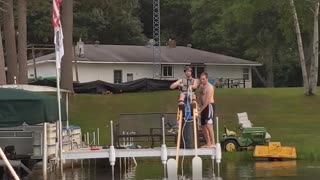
(215, 72)
(105, 72)
(43, 70)
(90, 72)
(232, 72)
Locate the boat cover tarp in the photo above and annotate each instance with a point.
(19, 106)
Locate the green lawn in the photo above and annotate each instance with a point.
(289, 116)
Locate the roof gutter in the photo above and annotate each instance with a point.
(146, 63)
(224, 64)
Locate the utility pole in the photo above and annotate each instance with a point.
(156, 37)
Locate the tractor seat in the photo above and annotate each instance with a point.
(267, 137)
(229, 133)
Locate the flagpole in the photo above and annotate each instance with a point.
(58, 40)
(59, 110)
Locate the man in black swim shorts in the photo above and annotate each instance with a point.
(207, 110)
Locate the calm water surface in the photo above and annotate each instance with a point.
(153, 169)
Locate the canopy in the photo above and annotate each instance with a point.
(34, 88)
(19, 106)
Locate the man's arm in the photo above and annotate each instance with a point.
(195, 84)
(208, 97)
(212, 87)
(175, 84)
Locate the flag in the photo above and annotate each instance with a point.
(58, 34)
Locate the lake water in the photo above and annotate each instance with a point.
(153, 169)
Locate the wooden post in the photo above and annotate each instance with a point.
(75, 64)
(34, 62)
(244, 83)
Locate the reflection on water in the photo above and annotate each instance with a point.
(276, 169)
(153, 169)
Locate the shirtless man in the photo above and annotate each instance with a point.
(207, 110)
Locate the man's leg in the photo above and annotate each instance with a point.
(211, 135)
(193, 101)
(194, 97)
(181, 98)
(206, 135)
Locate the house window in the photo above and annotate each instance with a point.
(117, 75)
(246, 73)
(197, 70)
(167, 71)
(129, 77)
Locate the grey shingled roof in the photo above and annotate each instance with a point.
(144, 54)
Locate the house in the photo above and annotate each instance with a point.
(123, 63)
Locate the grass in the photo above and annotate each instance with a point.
(289, 116)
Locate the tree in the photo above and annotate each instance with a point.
(310, 75)
(2, 64)
(313, 79)
(109, 22)
(10, 42)
(175, 20)
(39, 27)
(22, 41)
(66, 62)
(245, 29)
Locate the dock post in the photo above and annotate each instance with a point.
(88, 138)
(212, 161)
(44, 152)
(112, 153)
(120, 168)
(131, 138)
(94, 137)
(218, 148)
(127, 139)
(98, 136)
(125, 168)
(123, 139)
(164, 153)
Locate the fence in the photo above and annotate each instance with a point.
(143, 128)
(229, 83)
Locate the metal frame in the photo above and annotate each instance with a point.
(157, 42)
(86, 153)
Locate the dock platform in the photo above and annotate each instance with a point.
(87, 153)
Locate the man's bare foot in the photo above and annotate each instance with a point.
(211, 146)
(206, 146)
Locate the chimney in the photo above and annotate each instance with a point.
(172, 43)
(80, 48)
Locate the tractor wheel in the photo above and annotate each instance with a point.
(230, 146)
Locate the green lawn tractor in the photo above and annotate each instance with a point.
(249, 137)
